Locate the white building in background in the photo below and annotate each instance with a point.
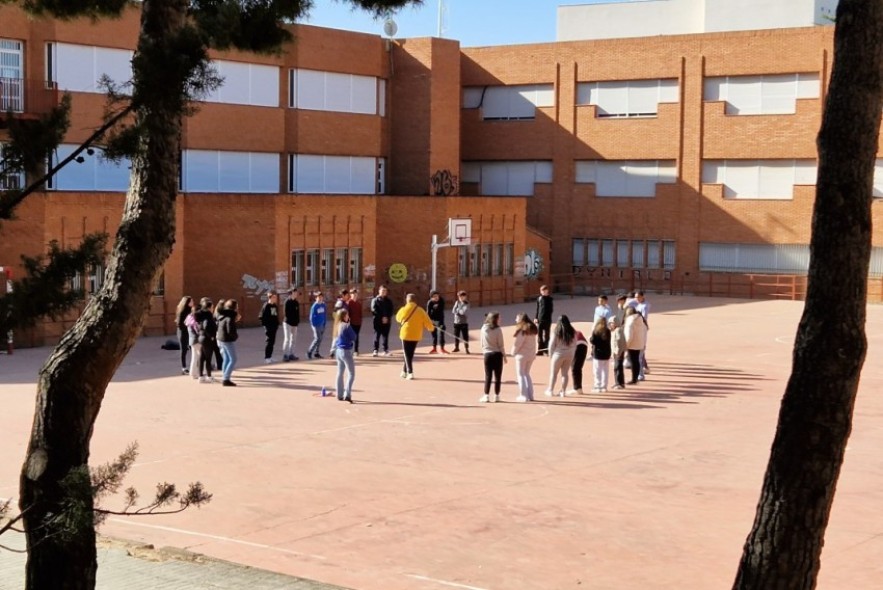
(617, 19)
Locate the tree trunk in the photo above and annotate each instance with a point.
(61, 551)
(784, 547)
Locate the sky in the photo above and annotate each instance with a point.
(474, 23)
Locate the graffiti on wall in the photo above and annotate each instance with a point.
(444, 184)
(533, 264)
(256, 286)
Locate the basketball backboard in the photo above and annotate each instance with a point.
(460, 232)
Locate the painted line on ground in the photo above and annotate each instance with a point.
(127, 522)
(444, 582)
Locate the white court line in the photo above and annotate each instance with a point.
(444, 582)
(128, 522)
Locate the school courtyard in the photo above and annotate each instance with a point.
(417, 486)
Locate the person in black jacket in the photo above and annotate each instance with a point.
(543, 319)
(382, 309)
(289, 325)
(270, 321)
(207, 330)
(435, 309)
(227, 336)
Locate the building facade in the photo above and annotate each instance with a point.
(676, 163)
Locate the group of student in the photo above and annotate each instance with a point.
(209, 332)
(618, 335)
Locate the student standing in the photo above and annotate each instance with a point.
(461, 322)
(184, 309)
(494, 350)
(618, 349)
(227, 337)
(435, 309)
(524, 351)
(602, 310)
(317, 322)
(291, 320)
(344, 343)
(270, 321)
(580, 353)
(543, 319)
(562, 347)
(635, 337)
(643, 308)
(601, 352)
(413, 320)
(354, 307)
(381, 309)
(208, 332)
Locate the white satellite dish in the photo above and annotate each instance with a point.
(390, 28)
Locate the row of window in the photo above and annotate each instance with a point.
(253, 172)
(743, 95)
(766, 258)
(326, 266)
(486, 260)
(611, 252)
(92, 280)
(214, 171)
(80, 68)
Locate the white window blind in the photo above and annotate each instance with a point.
(762, 95)
(767, 258)
(759, 179)
(79, 68)
(625, 178)
(512, 178)
(330, 91)
(627, 98)
(511, 102)
(314, 174)
(246, 83)
(211, 171)
(94, 174)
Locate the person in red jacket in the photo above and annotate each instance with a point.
(354, 307)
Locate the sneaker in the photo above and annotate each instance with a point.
(294, 358)
(548, 393)
(604, 389)
(574, 392)
(310, 355)
(433, 351)
(268, 361)
(285, 358)
(410, 376)
(444, 351)
(456, 350)
(185, 371)
(318, 356)
(521, 399)
(484, 399)
(496, 397)
(561, 393)
(228, 383)
(615, 387)
(204, 380)
(374, 353)
(387, 353)
(640, 377)
(404, 375)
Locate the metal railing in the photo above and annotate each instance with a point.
(20, 95)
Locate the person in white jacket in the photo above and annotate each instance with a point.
(562, 347)
(635, 338)
(524, 351)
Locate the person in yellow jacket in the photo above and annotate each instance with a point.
(414, 320)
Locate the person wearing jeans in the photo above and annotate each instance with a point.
(227, 336)
(344, 344)
(524, 351)
(317, 322)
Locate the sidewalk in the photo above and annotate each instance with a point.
(127, 566)
(417, 486)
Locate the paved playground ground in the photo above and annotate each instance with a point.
(417, 486)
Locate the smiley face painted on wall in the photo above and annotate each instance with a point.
(398, 273)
